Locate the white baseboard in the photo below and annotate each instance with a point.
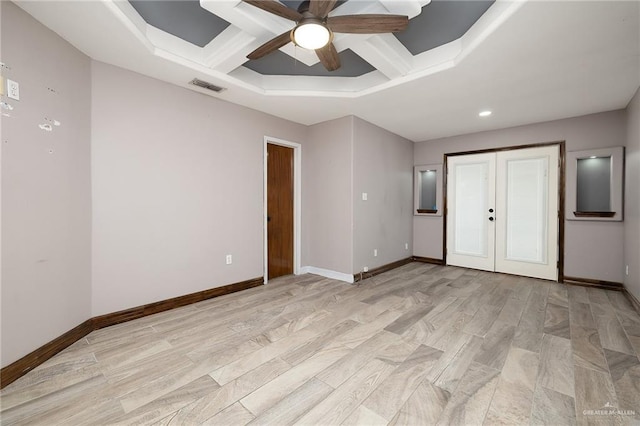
(327, 273)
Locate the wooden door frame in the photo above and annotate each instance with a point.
(297, 202)
(561, 194)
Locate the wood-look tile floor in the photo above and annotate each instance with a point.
(418, 345)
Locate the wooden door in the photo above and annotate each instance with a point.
(279, 210)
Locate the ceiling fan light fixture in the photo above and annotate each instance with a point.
(311, 34)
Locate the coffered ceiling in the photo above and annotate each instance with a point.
(527, 61)
(438, 22)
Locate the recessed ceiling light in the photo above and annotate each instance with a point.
(593, 156)
(484, 113)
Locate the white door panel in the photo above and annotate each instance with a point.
(502, 211)
(470, 234)
(527, 229)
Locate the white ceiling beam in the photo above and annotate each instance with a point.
(410, 8)
(168, 42)
(228, 50)
(385, 53)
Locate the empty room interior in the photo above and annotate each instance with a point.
(324, 212)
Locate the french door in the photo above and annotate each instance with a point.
(502, 211)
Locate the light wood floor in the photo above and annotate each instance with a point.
(419, 345)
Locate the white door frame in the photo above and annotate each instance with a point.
(297, 202)
(561, 196)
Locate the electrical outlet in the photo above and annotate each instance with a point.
(364, 196)
(365, 269)
(229, 259)
(406, 246)
(626, 270)
(13, 89)
(375, 252)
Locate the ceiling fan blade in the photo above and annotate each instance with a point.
(367, 24)
(276, 8)
(328, 55)
(321, 8)
(271, 46)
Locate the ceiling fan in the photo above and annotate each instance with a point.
(314, 28)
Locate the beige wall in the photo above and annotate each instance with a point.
(327, 233)
(383, 168)
(177, 185)
(592, 249)
(632, 198)
(46, 198)
(342, 159)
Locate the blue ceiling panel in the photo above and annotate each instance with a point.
(182, 18)
(441, 22)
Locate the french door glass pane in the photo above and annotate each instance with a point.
(526, 215)
(470, 209)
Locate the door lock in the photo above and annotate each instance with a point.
(491, 218)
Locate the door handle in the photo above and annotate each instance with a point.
(268, 218)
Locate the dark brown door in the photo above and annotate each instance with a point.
(279, 210)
